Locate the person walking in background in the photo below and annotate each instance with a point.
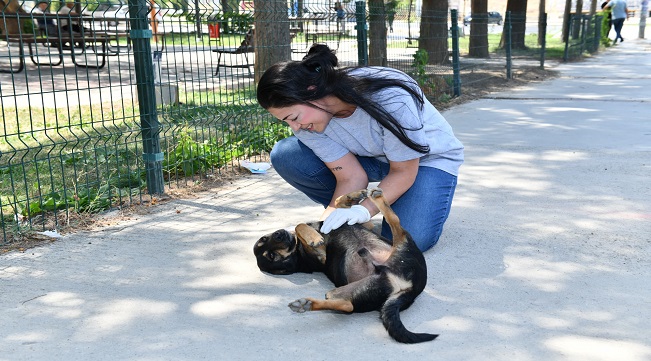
(341, 17)
(358, 125)
(620, 14)
(390, 9)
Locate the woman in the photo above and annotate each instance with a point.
(358, 125)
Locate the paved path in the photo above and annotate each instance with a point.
(546, 255)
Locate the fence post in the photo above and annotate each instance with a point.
(456, 77)
(507, 26)
(143, 65)
(597, 32)
(566, 53)
(643, 15)
(362, 34)
(543, 46)
(583, 32)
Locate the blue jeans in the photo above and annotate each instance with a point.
(618, 24)
(422, 210)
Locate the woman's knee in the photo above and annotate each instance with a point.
(288, 156)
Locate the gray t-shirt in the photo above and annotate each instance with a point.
(362, 135)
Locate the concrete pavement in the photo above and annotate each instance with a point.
(546, 255)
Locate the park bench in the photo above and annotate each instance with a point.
(60, 42)
(244, 49)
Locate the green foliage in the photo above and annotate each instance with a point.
(86, 193)
(189, 157)
(231, 23)
(419, 71)
(605, 27)
(28, 27)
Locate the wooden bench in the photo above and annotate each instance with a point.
(314, 36)
(98, 43)
(245, 48)
(410, 40)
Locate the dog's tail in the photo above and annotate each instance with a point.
(390, 315)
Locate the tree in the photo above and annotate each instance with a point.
(434, 31)
(479, 29)
(541, 20)
(9, 25)
(566, 19)
(377, 30)
(593, 7)
(577, 24)
(272, 42)
(518, 11)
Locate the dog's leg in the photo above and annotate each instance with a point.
(341, 298)
(350, 199)
(312, 241)
(312, 304)
(399, 236)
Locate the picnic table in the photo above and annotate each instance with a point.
(96, 38)
(77, 46)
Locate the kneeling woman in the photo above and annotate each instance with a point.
(358, 125)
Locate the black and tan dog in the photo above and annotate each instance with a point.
(369, 271)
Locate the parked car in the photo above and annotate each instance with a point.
(493, 18)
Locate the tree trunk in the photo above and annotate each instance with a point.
(518, 9)
(377, 30)
(566, 19)
(10, 26)
(593, 7)
(272, 42)
(434, 31)
(479, 29)
(577, 24)
(542, 9)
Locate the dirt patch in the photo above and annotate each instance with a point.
(66, 222)
(481, 82)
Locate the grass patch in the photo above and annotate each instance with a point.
(90, 158)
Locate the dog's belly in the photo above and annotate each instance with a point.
(359, 266)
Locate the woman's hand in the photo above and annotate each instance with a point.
(353, 215)
(352, 177)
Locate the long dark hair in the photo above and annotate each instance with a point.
(316, 76)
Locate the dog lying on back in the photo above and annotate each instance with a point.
(369, 271)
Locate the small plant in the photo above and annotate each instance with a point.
(605, 27)
(190, 157)
(419, 71)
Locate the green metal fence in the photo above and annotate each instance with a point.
(164, 96)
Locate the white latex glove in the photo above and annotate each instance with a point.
(352, 215)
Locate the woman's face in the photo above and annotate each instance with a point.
(303, 116)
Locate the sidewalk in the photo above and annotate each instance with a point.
(546, 255)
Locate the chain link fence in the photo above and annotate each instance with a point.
(108, 104)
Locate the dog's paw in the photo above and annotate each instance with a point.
(376, 193)
(350, 199)
(316, 242)
(301, 305)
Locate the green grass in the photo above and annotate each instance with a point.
(89, 159)
(554, 46)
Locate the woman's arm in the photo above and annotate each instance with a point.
(351, 177)
(400, 178)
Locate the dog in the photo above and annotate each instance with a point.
(369, 271)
